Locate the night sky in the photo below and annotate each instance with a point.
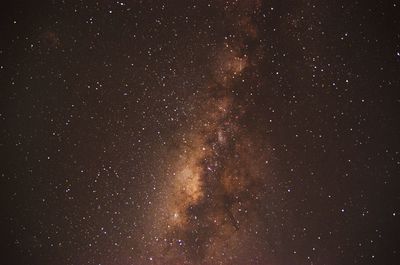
(200, 132)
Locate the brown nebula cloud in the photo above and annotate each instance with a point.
(212, 193)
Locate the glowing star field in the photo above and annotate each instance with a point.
(241, 132)
(210, 198)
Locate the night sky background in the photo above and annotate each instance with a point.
(282, 115)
